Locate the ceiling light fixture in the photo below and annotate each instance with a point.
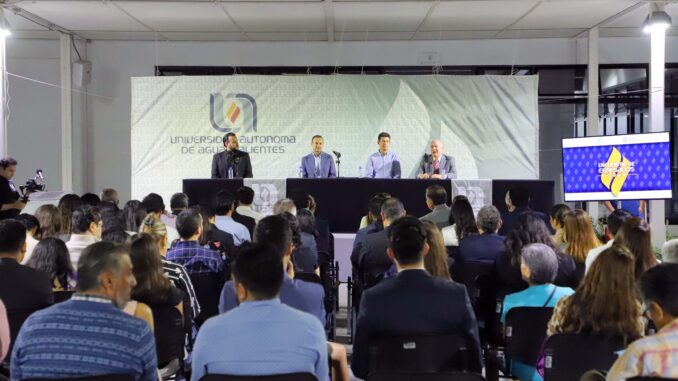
(657, 18)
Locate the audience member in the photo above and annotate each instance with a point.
(245, 200)
(285, 205)
(374, 214)
(51, 257)
(538, 267)
(90, 199)
(529, 228)
(306, 256)
(262, 336)
(10, 203)
(614, 222)
(133, 214)
(462, 222)
(487, 244)
(155, 208)
(517, 203)
(110, 195)
(113, 229)
(580, 238)
(304, 200)
(413, 302)
(188, 252)
(436, 262)
(373, 261)
(4, 332)
(67, 205)
(370, 218)
(64, 341)
(557, 219)
(49, 219)
(86, 230)
(636, 236)
(32, 226)
(670, 251)
(214, 237)
(436, 201)
(178, 203)
(654, 356)
(223, 206)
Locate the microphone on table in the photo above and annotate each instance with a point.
(337, 154)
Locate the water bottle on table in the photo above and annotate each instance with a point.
(230, 172)
(360, 171)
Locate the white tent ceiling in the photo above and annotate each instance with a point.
(329, 20)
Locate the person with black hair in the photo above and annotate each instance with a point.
(110, 195)
(86, 227)
(32, 233)
(462, 222)
(155, 209)
(518, 203)
(133, 215)
(487, 245)
(51, 257)
(374, 215)
(413, 302)
(113, 229)
(178, 203)
(231, 163)
(188, 251)
(262, 336)
(90, 199)
(614, 222)
(214, 237)
(383, 164)
(436, 201)
(223, 206)
(305, 255)
(245, 201)
(10, 203)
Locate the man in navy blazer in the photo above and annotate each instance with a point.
(317, 164)
(413, 302)
(486, 246)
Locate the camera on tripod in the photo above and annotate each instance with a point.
(36, 184)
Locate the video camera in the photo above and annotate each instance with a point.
(36, 184)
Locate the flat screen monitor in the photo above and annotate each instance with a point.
(618, 167)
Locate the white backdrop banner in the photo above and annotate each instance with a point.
(488, 123)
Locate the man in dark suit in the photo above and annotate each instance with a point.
(249, 222)
(483, 247)
(413, 302)
(22, 289)
(232, 158)
(373, 261)
(517, 202)
(317, 164)
(437, 165)
(374, 211)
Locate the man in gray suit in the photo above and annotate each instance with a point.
(231, 160)
(317, 164)
(436, 200)
(437, 165)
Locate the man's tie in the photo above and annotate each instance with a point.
(317, 170)
(436, 167)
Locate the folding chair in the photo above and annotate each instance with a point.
(569, 356)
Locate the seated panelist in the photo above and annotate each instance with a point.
(317, 164)
(437, 165)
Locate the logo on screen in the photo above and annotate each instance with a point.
(233, 112)
(614, 172)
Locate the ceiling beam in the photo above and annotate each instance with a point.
(614, 17)
(328, 7)
(230, 18)
(519, 19)
(428, 14)
(41, 21)
(121, 9)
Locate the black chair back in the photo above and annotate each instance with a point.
(525, 332)
(308, 277)
(15, 319)
(108, 377)
(566, 360)
(169, 334)
(275, 377)
(208, 291)
(418, 354)
(466, 273)
(62, 296)
(444, 376)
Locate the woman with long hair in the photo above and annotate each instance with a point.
(636, 236)
(51, 257)
(580, 238)
(557, 220)
(67, 204)
(49, 218)
(435, 262)
(462, 221)
(306, 255)
(132, 215)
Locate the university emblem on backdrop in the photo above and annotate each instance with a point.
(265, 196)
(615, 171)
(234, 112)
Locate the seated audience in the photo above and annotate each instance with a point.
(517, 203)
(538, 267)
(51, 257)
(86, 230)
(462, 222)
(670, 251)
(436, 201)
(285, 205)
(413, 302)
(188, 252)
(306, 256)
(67, 205)
(636, 236)
(529, 228)
(614, 222)
(178, 203)
(246, 221)
(90, 199)
(262, 336)
(32, 233)
(110, 195)
(113, 229)
(373, 261)
(4, 332)
(133, 214)
(374, 214)
(557, 219)
(245, 200)
(214, 237)
(223, 206)
(64, 341)
(487, 244)
(580, 238)
(49, 219)
(304, 200)
(370, 218)
(436, 262)
(155, 207)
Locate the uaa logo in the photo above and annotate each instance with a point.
(233, 112)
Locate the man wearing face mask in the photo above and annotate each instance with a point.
(10, 204)
(232, 163)
(66, 340)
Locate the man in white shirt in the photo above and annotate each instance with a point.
(86, 225)
(245, 200)
(614, 222)
(223, 207)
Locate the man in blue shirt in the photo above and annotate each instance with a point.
(262, 336)
(383, 164)
(89, 335)
(223, 206)
(188, 252)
